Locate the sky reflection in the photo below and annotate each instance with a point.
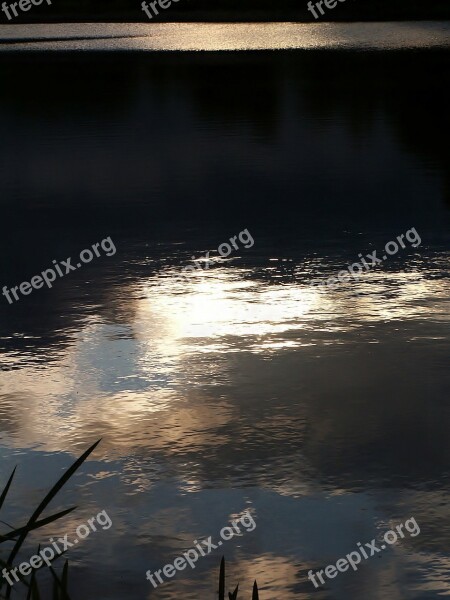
(324, 412)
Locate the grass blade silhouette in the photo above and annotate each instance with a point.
(60, 590)
(48, 498)
(33, 577)
(5, 491)
(64, 582)
(222, 579)
(233, 596)
(43, 505)
(16, 532)
(255, 595)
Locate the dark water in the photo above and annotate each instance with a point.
(323, 411)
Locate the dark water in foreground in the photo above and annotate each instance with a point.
(325, 412)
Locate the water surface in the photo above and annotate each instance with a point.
(225, 36)
(324, 412)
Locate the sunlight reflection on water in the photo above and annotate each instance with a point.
(226, 36)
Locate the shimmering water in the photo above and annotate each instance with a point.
(225, 36)
(323, 411)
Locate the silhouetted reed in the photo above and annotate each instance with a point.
(18, 536)
(232, 595)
